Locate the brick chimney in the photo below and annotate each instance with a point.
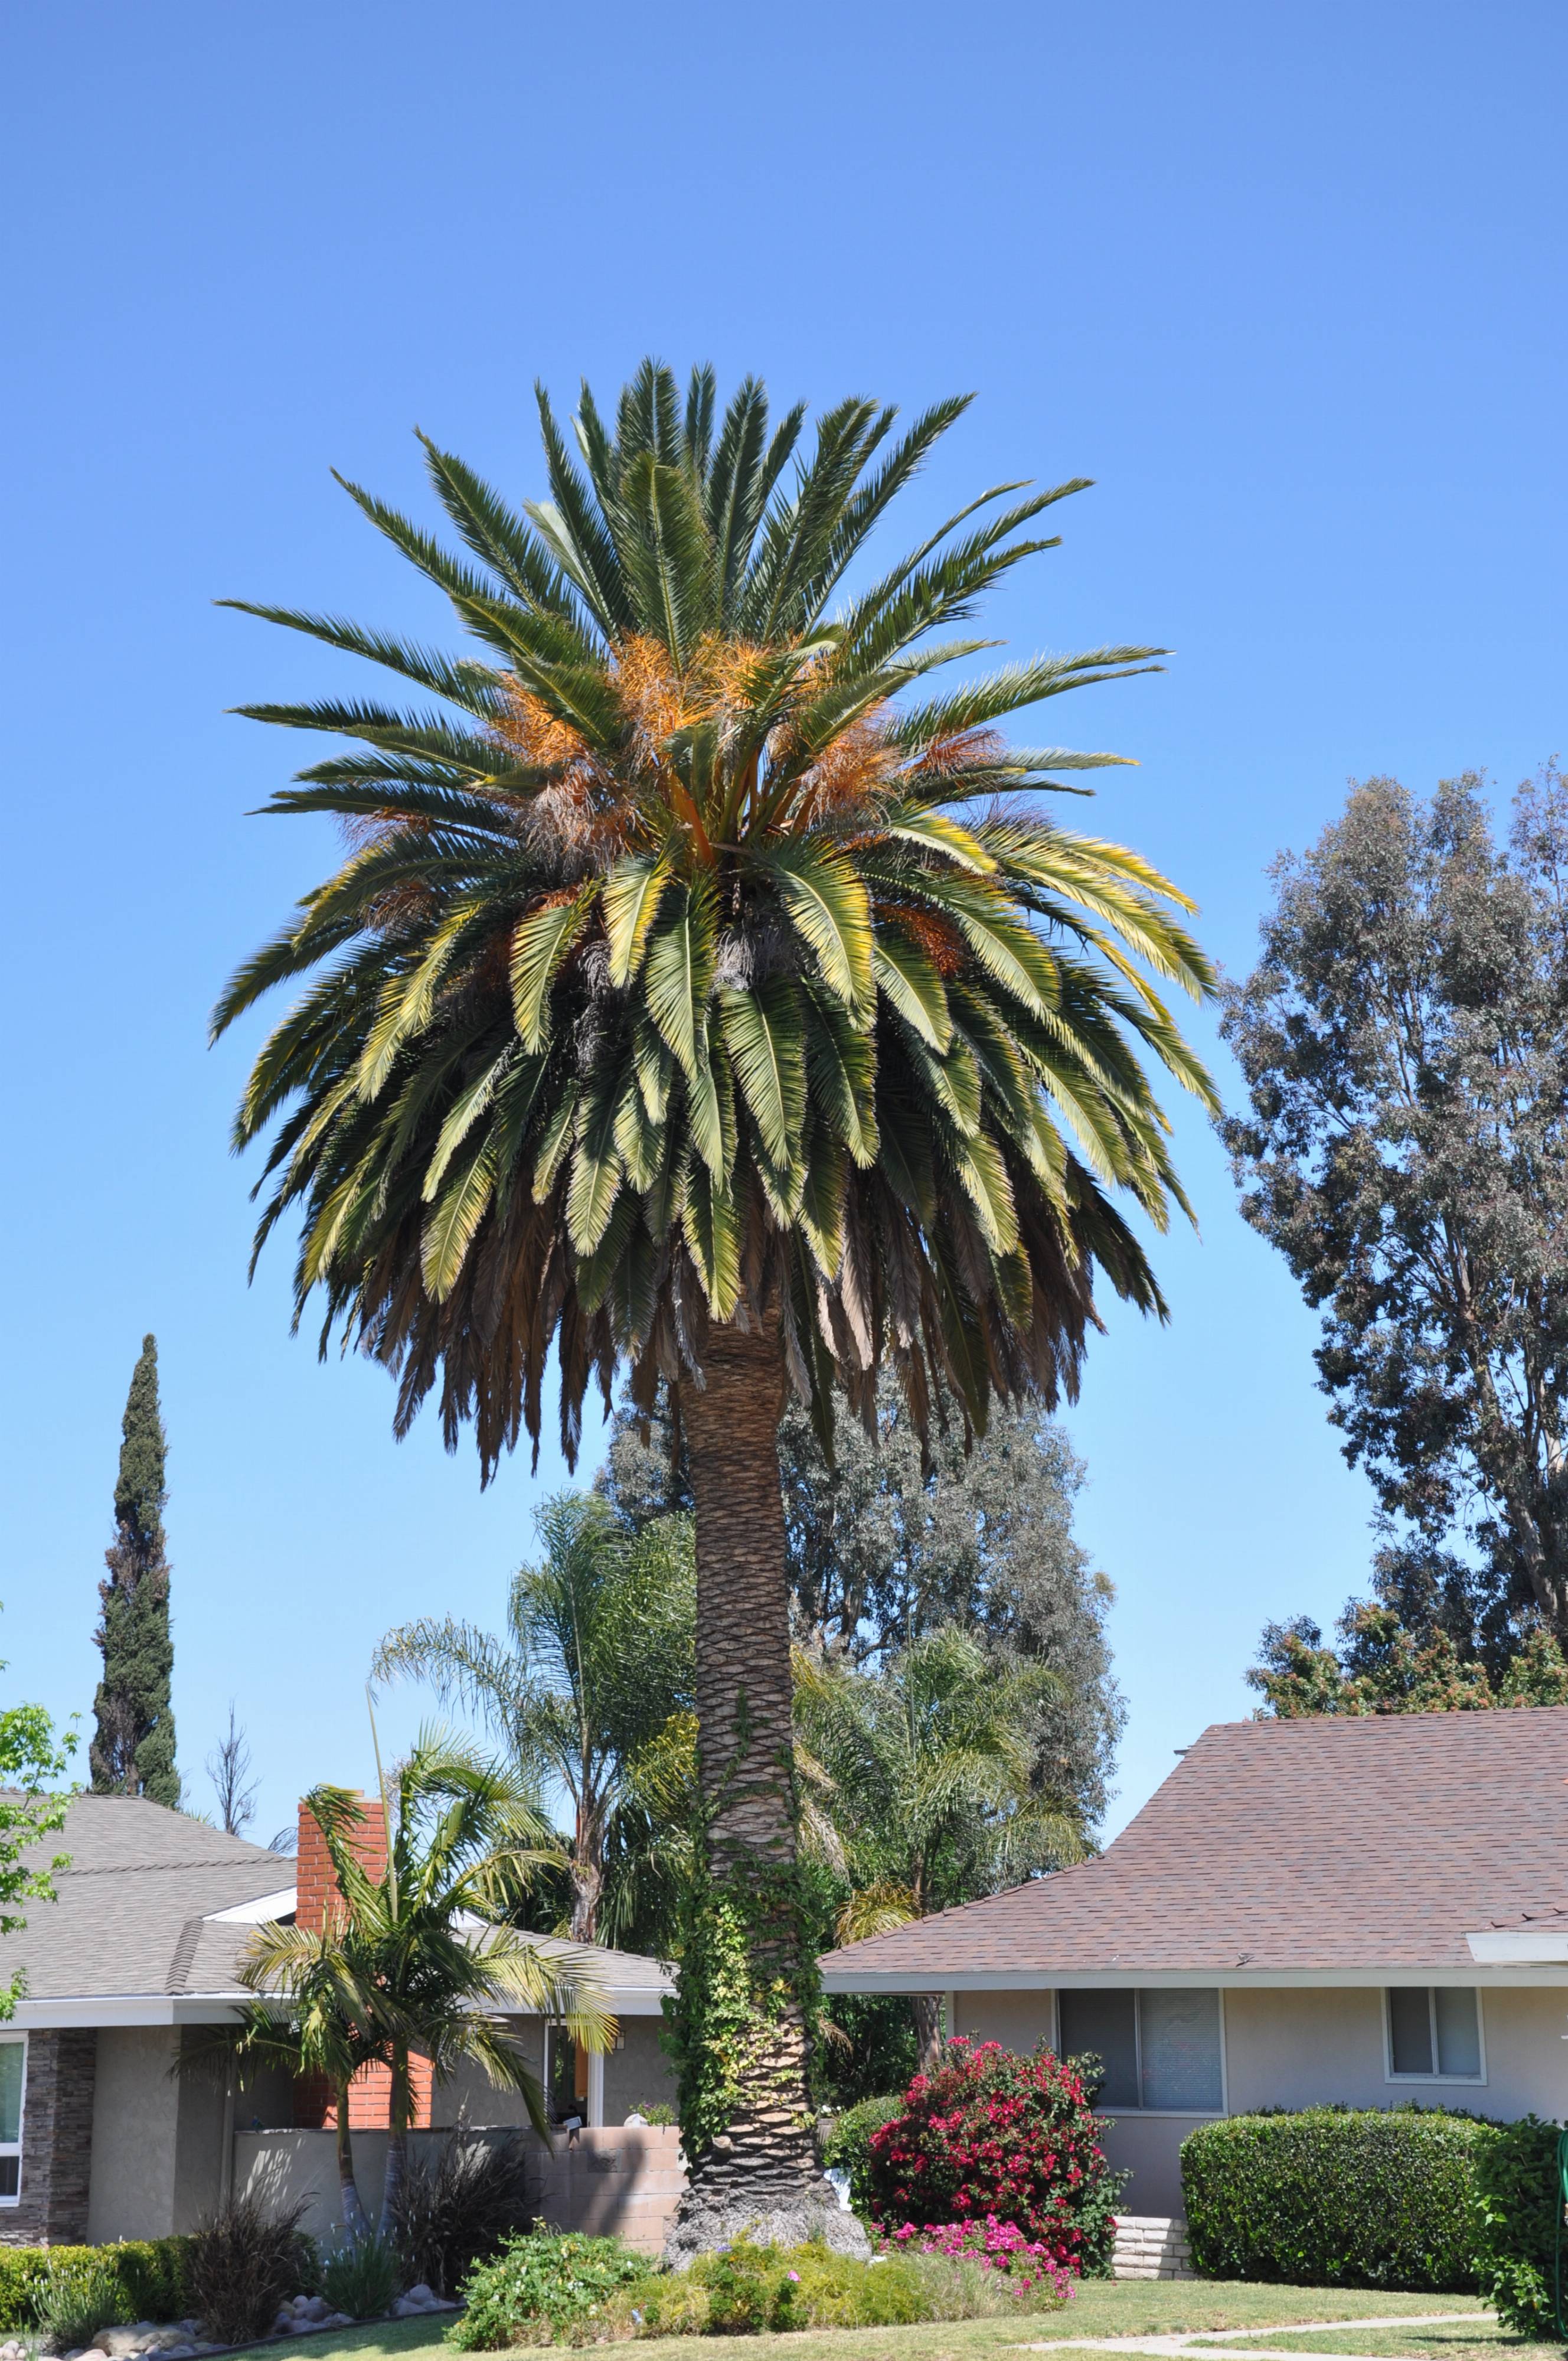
(318, 1895)
(316, 1889)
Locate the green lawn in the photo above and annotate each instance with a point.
(1101, 2308)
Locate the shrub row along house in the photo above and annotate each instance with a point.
(100, 2138)
(1362, 1911)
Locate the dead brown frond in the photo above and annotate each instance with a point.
(960, 752)
(941, 941)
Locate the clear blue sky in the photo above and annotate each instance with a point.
(1289, 281)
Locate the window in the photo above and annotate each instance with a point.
(1434, 2032)
(13, 2081)
(1160, 2050)
(565, 2076)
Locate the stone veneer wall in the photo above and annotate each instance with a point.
(57, 2142)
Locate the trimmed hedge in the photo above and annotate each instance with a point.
(1335, 2197)
(151, 2273)
(1515, 2191)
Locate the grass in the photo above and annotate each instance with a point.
(1101, 2308)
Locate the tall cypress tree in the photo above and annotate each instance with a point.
(132, 1748)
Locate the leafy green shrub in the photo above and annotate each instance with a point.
(578, 2290)
(457, 2211)
(363, 2281)
(989, 2133)
(846, 2144)
(242, 2264)
(1516, 2202)
(78, 2298)
(1337, 2197)
(151, 2273)
(542, 2287)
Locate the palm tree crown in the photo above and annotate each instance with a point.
(596, 1662)
(688, 967)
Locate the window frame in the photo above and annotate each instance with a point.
(1156, 2115)
(1471, 2081)
(18, 2148)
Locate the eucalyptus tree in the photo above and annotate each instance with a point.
(705, 992)
(1403, 1039)
(596, 1660)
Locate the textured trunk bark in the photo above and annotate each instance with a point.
(764, 2168)
(356, 2222)
(588, 1886)
(398, 2116)
(928, 2012)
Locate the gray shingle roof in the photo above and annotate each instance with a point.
(1284, 1846)
(135, 1915)
(133, 1907)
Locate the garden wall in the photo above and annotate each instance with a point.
(626, 2182)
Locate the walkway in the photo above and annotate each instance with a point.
(1199, 2339)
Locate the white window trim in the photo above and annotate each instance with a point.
(19, 2149)
(1163, 2114)
(1474, 2082)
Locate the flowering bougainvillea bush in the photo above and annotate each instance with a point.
(990, 2134)
(994, 2245)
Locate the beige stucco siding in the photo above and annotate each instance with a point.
(1303, 2047)
(136, 2118)
(638, 2074)
(158, 2139)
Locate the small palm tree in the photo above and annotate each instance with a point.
(412, 1959)
(598, 1656)
(928, 1778)
(704, 991)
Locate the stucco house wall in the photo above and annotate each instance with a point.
(157, 2138)
(1307, 2045)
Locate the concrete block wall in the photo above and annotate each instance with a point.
(624, 2182)
(1152, 2246)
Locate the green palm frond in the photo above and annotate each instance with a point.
(685, 939)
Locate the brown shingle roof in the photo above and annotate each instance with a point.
(1285, 1846)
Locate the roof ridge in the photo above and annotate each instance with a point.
(144, 1868)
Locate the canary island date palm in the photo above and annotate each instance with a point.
(705, 990)
(416, 1956)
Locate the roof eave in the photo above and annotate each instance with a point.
(1534, 1970)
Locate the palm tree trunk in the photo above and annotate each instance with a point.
(398, 2116)
(586, 1873)
(356, 2222)
(928, 2012)
(764, 2164)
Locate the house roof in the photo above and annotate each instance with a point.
(154, 1913)
(1306, 1850)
